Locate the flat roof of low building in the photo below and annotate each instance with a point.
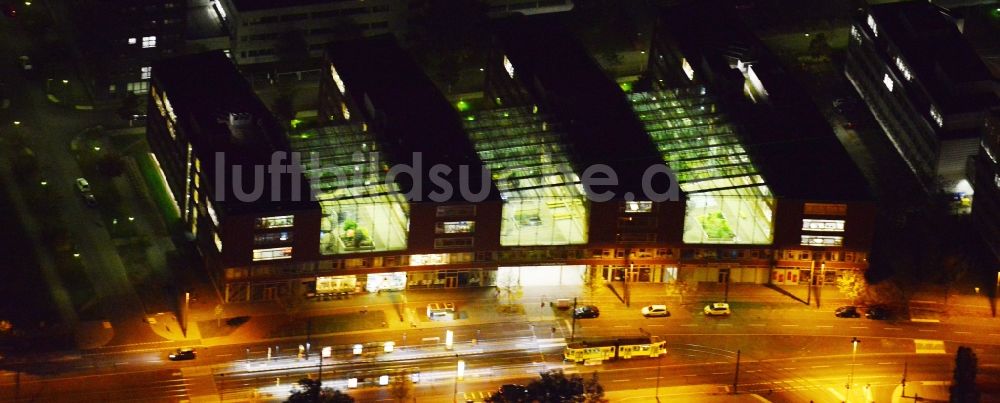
(407, 112)
(255, 5)
(932, 47)
(205, 91)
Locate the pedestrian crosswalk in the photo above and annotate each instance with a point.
(476, 396)
(929, 346)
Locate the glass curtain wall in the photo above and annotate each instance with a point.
(728, 202)
(361, 213)
(544, 202)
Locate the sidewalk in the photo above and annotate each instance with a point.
(688, 394)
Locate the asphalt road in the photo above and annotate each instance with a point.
(51, 129)
(790, 351)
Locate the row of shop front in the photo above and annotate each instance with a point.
(565, 275)
(552, 275)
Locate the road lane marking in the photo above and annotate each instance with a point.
(994, 334)
(750, 371)
(622, 326)
(886, 363)
(725, 324)
(820, 366)
(789, 325)
(223, 355)
(655, 325)
(620, 380)
(649, 378)
(719, 373)
(926, 330)
(892, 328)
(962, 332)
(689, 325)
(859, 327)
(824, 325)
(690, 375)
(757, 324)
(925, 320)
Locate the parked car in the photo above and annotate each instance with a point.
(717, 309)
(24, 62)
(878, 312)
(586, 312)
(655, 310)
(849, 311)
(182, 354)
(82, 185)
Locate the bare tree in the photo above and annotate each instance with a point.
(679, 288)
(509, 289)
(591, 283)
(401, 387)
(853, 285)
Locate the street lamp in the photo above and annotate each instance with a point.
(850, 378)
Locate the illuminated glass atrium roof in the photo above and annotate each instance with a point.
(544, 202)
(339, 162)
(524, 154)
(728, 201)
(697, 142)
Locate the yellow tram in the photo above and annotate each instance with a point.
(596, 350)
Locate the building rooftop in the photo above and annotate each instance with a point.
(567, 82)
(255, 5)
(936, 53)
(406, 111)
(789, 141)
(222, 116)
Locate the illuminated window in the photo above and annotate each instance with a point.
(146, 72)
(149, 41)
(455, 227)
(429, 259)
(871, 24)
(936, 115)
(903, 69)
(272, 253)
(507, 65)
(272, 237)
(887, 81)
(344, 111)
(219, 9)
(131, 41)
(281, 221)
(112, 89)
(456, 211)
(638, 206)
(336, 79)
(825, 209)
(817, 240)
(218, 242)
(996, 180)
(138, 87)
(823, 225)
(211, 211)
(687, 69)
(855, 33)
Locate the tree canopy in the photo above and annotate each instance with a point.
(554, 386)
(309, 391)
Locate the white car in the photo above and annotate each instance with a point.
(655, 310)
(717, 309)
(82, 185)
